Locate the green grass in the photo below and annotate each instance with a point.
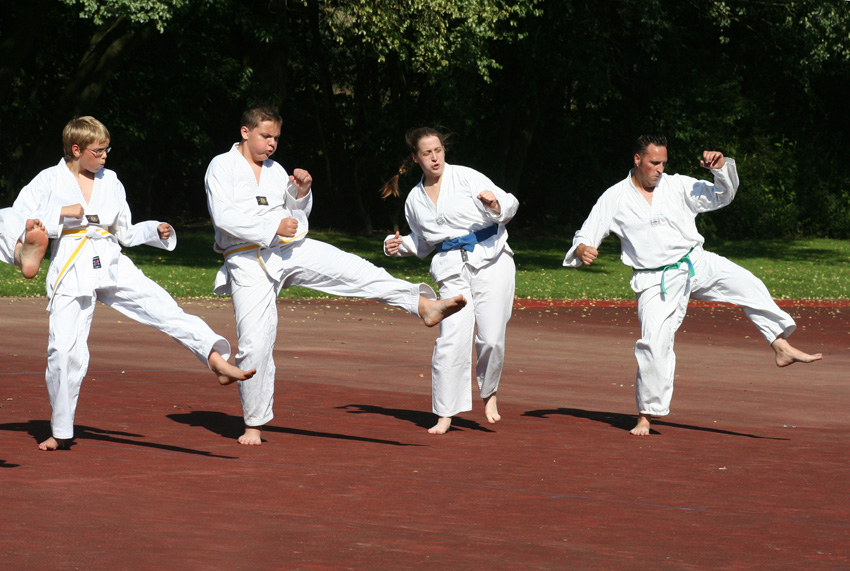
(791, 269)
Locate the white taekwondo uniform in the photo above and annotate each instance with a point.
(654, 236)
(86, 266)
(485, 276)
(13, 228)
(258, 264)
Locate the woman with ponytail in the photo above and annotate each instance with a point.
(460, 214)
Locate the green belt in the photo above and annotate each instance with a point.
(674, 266)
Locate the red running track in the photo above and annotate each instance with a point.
(749, 471)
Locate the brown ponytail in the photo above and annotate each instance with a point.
(391, 186)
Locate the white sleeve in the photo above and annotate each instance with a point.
(411, 245)
(705, 196)
(507, 201)
(130, 234)
(304, 204)
(597, 226)
(34, 202)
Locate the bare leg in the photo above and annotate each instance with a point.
(53, 444)
(253, 436)
(226, 372)
(442, 426)
(30, 252)
(434, 311)
(491, 411)
(787, 355)
(642, 426)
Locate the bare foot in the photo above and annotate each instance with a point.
(787, 355)
(433, 311)
(53, 444)
(32, 249)
(442, 426)
(226, 372)
(642, 426)
(253, 436)
(491, 411)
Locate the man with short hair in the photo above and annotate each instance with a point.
(654, 214)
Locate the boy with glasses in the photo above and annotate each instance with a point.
(84, 207)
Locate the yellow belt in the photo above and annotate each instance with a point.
(76, 252)
(247, 248)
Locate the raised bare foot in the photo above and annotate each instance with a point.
(442, 426)
(226, 372)
(33, 248)
(787, 355)
(53, 444)
(252, 437)
(491, 411)
(642, 426)
(433, 311)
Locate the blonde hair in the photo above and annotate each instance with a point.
(82, 131)
(412, 137)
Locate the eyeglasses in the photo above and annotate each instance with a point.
(100, 152)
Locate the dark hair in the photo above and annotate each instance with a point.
(642, 142)
(412, 137)
(252, 117)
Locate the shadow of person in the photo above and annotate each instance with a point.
(229, 426)
(225, 425)
(40, 431)
(4, 464)
(419, 418)
(627, 421)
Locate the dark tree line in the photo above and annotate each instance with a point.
(544, 96)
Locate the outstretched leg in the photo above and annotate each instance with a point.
(787, 355)
(226, 372)
(30, 252)
(433, 311)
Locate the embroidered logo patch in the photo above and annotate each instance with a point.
(95, 262)
(93, 218)
(655, 222)
(262, 201)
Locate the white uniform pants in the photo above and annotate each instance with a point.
(489, 292)
(715, 279)
(312, 264)
(139, 298)
(12, 227)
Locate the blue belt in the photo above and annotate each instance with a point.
(674, 266)
(468, 242)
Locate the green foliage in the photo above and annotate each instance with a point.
(158, 12)
(544, 96)
(432, 36)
